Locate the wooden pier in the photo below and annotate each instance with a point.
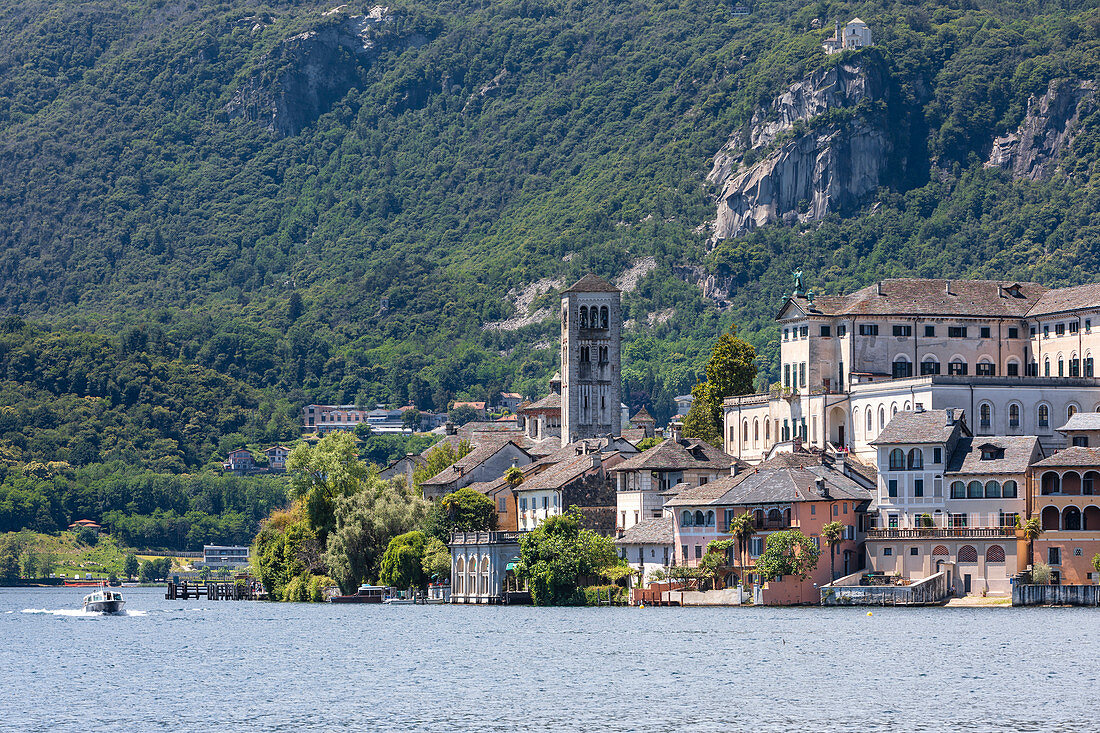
(213, 591)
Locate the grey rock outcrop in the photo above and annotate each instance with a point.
(305, 75)
(796, 162)
(1047, 130)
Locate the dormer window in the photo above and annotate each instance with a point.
(992, 452)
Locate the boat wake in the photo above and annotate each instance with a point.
(80, 612)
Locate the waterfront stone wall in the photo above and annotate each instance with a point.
(1055, 595)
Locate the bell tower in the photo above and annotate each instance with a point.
(591, 381)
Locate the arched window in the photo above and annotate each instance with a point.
(893, 409)
(774, 516)
(957, 366)
(758, 518)
(1046, 367)
(1050, 518)
(755, 431)
(881, 418)
(746, 431)
(1071, 519)
(584, 316)
(1044, 416)
(940, 550)
(1051, 483)
(787, 517)
(902, 368)
(460, 570)
(603, 316)
(685, 519)
(485, 576)
(767, 431)
(700, 520)
(897, 459)
(1014, 415)
(958, 490)
(1088, 366)
(930, 365)
(710, 518)
(1071, 411)
(1012, 367)
(985, 367)
(871, 427)
(995, 554)
(985, 415)
(907, 407)
(916, 459)
(1061, 366)
(992, 490)
(967, 553)
(974, 490)
(1008, 489)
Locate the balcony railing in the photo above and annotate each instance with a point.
(917, 533)
(484, 538)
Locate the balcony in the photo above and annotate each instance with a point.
(922, 533)
(484, 538)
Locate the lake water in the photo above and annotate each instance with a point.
(243, 666)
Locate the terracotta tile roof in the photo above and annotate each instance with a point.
(1082, 421)
(1067, 299)
(912, 296)
(648, 532)
(468, 462)
(774, 484)
(929, 426)
(1073, 456)
(1019, 452)
(675, 456)
(592, 284)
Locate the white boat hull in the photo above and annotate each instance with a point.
(104, 606)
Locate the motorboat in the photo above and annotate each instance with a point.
(104, 601)
(364, 594)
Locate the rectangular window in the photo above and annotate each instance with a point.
(892, 488)
(937, 488)
(956, 332)
(804, 331)
(983, 332)
(892, 521)
(802, 374)
(930, 331)
(502, 504)
(1032, 331)
(756, 546)
(1081, 441)
(957, 368)
(786, 376)
(836, 510)
(1054, 555)
(842, 330)
(813, 510)
(903, 330)
(1088, 325)
(902, 370)
(887, 551)
(545, 503)
(1073, 326)
(937, 455)
(1013, 332)
(868, 329)
(985, 369)
(826, 331)
(957, 521)
(523, 504)
(684, 552)
(914, 551)
(929, 367)
(1059, 329)
(918, 487)
(1008, 519)
(1046, 332)
(786, 334)
(1075, 367)
(698, 552)
(1013, 369)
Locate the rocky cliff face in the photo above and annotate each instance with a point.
(821, 146)
(1048, 129)
(305, 75)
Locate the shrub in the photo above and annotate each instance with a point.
(317, 585)
(1040, 573)
(593, 593)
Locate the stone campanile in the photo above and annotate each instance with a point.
(591, 380)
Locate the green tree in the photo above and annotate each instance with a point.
(366, 521)
(646, 443)
(831, 535)
(147, 571)
(788, 552)
(462, 414)
(716, 557)
(410, 419)
(557, 557)
(730, 371)
(514, 476)
(1032, 530)
(437, 561)
(9, 558)
(87, 536)
(438, 458)
(469, 511)
(324, 473)
(1096, 566)
(130, 565)
(403, 561)
(742, 529)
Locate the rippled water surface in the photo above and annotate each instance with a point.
(243, 666)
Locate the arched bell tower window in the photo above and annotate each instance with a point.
(584, 316)
(603, 317)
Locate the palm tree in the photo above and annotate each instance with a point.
(741, 528)
(514, 476)
(1032, 530)
(832, 533)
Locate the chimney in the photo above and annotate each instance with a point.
(677, 430)
(449, 428)
(734, 468)
(879, 284)
(822, 488)
(947, 287)
(796, 444)
(950, 416)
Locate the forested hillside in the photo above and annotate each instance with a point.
(333, 205)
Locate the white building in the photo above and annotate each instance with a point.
(855, 34)
(648, 546)
(1017, 358)
(223, 556)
